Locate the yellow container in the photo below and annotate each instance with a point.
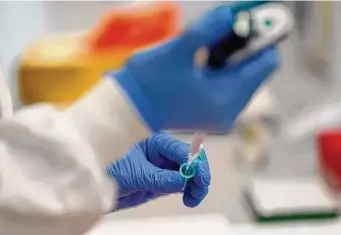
(60, 68)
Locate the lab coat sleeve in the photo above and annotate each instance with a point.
(52, 178)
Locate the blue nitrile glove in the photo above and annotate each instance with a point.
(170, 92)
(151, 170)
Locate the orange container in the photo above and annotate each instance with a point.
(61, 68)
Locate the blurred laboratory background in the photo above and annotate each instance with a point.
(275, 143)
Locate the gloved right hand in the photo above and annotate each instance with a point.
(171, 92)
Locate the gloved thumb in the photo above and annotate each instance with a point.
(165, 181)
(209, 29)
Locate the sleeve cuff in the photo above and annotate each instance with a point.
(107, 121)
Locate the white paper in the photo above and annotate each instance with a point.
(291, 196)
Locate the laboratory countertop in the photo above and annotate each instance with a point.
(206, 224)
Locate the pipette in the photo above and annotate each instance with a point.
(257, 25)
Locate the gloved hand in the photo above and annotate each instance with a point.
(171, 92)
(150, 170)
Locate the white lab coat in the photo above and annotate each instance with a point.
(52, 178)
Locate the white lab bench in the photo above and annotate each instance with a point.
(210, 224)
(199, 225)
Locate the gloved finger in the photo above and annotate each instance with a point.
(262, 67)
(202, 177)
(207, 30)
(249, 69)
(189, 200)
(164, 181)
(197, 192)
(171, 148)
(245, 78)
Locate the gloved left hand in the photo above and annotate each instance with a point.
(151, 170)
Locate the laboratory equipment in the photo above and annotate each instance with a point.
(60, 68)
(188, 169)
(285, 200)
(315, 44)
(196, 156)
(254, 29)
(255, 130)
(329, 151)
(196, 146)
(313, 119)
